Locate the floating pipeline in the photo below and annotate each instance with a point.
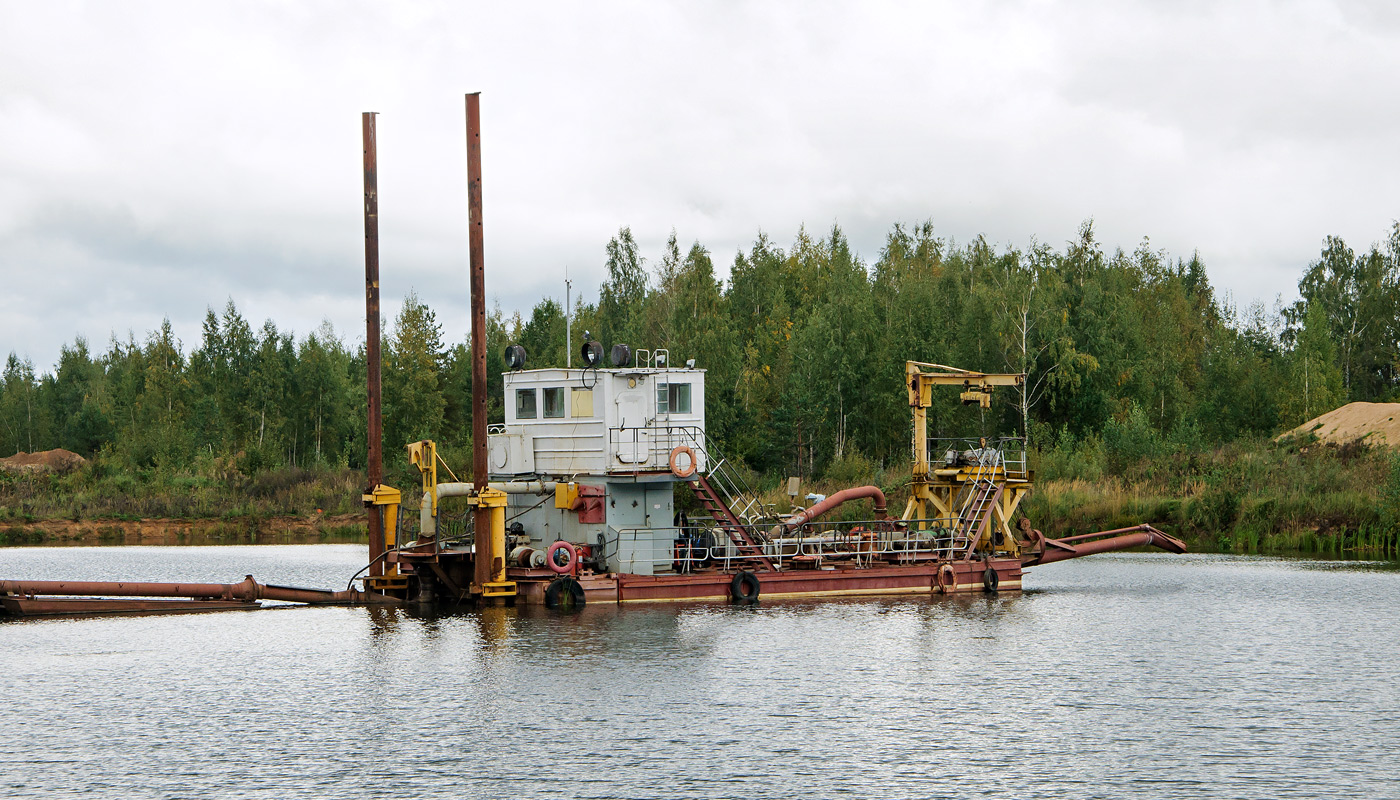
(58, 598)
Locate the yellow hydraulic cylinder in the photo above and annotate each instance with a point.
(498, 586)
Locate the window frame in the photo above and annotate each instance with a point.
(520, 394)
(557, 392)
(667, 400)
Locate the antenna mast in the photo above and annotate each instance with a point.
(568, 320)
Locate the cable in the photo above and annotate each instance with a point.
(350, 584)
(528, 510)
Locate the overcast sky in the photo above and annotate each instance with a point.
(157, 159)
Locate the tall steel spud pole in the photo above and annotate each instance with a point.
(480, 468)
(375, 465)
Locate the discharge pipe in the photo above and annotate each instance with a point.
(1048, 551)
(248, 589)
(845, 495)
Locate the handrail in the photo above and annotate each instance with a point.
(1009, 452)
(859, 542)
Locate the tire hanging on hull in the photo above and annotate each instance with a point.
(744, 588)
(564, 593)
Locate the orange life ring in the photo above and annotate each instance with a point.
(947, 579)
(676, 470)
(554, 566)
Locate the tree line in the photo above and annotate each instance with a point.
(804, 346)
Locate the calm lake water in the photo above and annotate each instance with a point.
(1113, 676)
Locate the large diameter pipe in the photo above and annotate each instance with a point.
(248, 589)
(843, 496)
(375, 459)
(1075, 547)
(477, 258)
(427, 519)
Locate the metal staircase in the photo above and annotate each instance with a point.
(975, 502)
(721, 490)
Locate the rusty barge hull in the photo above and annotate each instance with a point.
(893, 580)
(922, 578)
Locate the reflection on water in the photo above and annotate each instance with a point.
(1141, 675)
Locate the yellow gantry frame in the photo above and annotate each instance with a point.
(423, 455)
(934, 490)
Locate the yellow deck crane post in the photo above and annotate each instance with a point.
(948, 492)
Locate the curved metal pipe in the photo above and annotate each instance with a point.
(1126, 539)
(831, 502)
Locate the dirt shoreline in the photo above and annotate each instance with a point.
(306, 529)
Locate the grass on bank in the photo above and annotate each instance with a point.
(97, 493)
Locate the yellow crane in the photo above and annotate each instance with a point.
(968, 485)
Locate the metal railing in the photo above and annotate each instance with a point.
(656, 443)
(1007, 453)
(738, 494)
(651, 446)
(859, 543)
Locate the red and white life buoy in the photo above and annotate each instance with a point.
(568, 567)
(689, 468)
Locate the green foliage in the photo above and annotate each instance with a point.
(1389, 505)
(1063, 456)
(849, 469)
(624, 292)
(1251, 495)
(1131, 440)
(414, 405)
(1314, 375)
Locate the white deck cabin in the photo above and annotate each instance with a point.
(601, 422)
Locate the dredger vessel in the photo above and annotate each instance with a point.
(584, 481)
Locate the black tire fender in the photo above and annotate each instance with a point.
(744, 588)
(564, 593)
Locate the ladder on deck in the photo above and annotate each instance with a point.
(720, 490)
(975, 503)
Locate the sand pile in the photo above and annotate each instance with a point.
(1378, 424)
(59, 460)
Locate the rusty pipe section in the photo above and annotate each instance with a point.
(248, 589)
(1048, 551)
(843, 496)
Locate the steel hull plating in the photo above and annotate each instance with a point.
(839, 582)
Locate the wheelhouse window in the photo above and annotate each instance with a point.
(524, 403)
(554, 402)
(673, 398)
